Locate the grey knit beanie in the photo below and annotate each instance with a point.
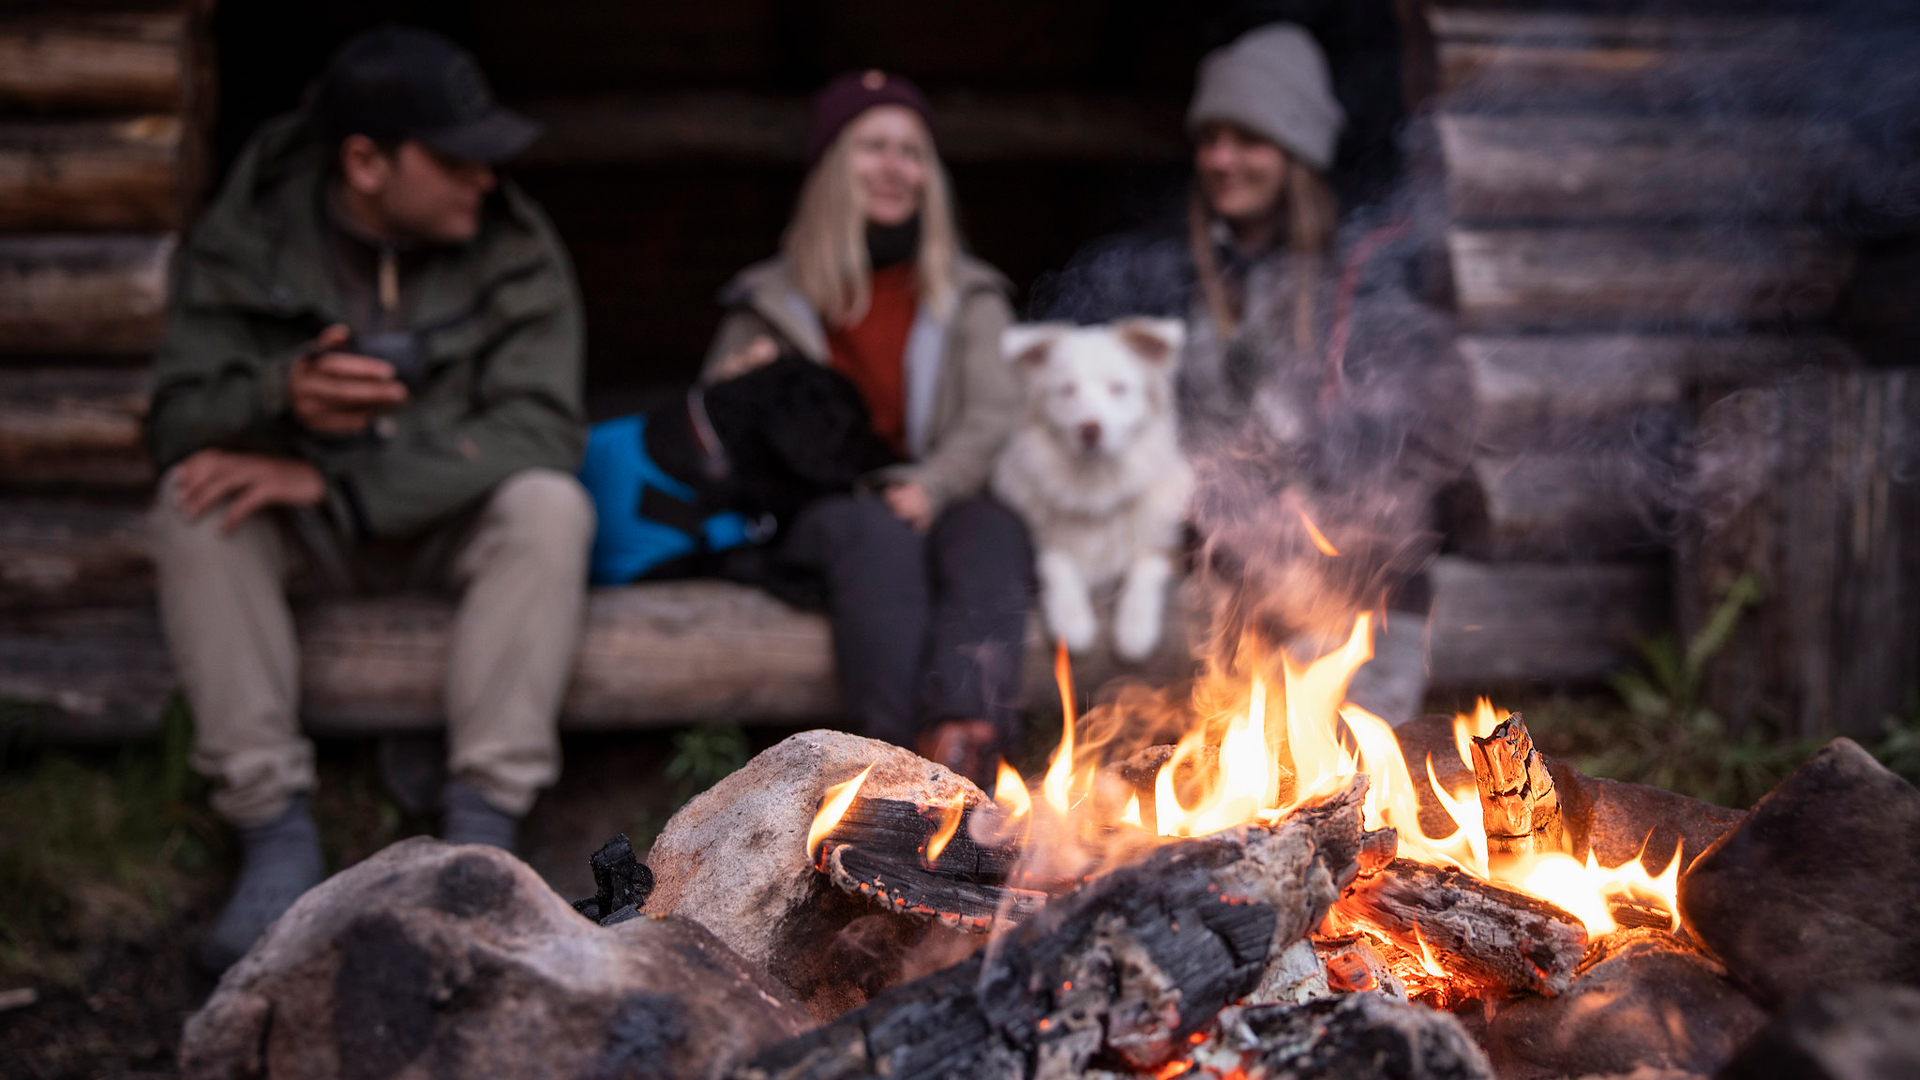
(1272, 81)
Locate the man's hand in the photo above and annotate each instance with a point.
(910, 504)
(757, 353)
(338, 393)
(250, 481)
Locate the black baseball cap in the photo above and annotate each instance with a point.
(399, 82)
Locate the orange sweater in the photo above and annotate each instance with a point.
(872, 352)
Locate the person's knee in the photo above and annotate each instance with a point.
(984, 526)
(545, 508)
(178, 539)
(862, 523)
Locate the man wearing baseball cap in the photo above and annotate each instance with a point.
(370, 382)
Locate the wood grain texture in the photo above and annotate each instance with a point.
(74, 425)
(61, 60)
(70, 552)
(1641, 277)
(1577, 168)
(92, 174)
(1538, 621)
(83, 294)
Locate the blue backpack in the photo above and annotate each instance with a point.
(648, 519)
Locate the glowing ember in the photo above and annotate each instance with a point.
(1427, 962)
(833, 807)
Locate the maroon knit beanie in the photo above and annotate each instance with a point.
(851, 94)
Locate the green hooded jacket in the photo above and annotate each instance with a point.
(497, 322)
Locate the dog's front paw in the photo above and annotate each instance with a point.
(1073, 623)
(1141, 610)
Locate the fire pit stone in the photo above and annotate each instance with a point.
(444, 960)
(735, 860)
(1819, 886)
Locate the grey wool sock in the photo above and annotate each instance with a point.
(471, 819)
(280, 860)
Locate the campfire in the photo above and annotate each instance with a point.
(1258, 748)
(1256, 881)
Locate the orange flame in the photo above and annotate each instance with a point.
(949, 824)
(1172, 1069)
(833, 806)
(1319, 538)
(1427, 961)
(1011, 793)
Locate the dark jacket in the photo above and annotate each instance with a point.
(496, 322)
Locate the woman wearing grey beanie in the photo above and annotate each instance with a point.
(1312, 382)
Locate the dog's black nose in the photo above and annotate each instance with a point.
(1090, 434)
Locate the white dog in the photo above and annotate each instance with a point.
(1096, 470)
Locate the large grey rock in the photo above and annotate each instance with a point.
(1643, 1000)
(1869, 1032)
(1819, 886)
(431, 960)
(735, 860)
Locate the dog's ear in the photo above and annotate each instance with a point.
(1028, 344)
(1156, 341)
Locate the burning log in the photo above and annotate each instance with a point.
(1478, 931)
(1125, 970)
(880, 849)
(1518, 803)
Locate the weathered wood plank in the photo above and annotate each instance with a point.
(94, 174)
(1563, 506)
(1568, 27)
(83, 294)
(1536, 621)
(1642, 277)
(69, 553)
(772, 128)
(1549, 380)
(132, 60)
(74, 426)
(1812, 489)
(1595, 168)
(690, 652)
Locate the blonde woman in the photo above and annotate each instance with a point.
(927, 579)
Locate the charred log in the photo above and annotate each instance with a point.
(1518, 803)
(1117, 975)
(621, 883)
(1494, 937)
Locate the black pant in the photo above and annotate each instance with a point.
(925, 628)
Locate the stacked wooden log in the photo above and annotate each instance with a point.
(1631, 209)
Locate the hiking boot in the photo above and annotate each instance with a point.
(471, 819)
(279, 861)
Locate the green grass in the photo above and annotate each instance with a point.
(105, 844)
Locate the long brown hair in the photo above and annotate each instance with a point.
(1311, 214)
(826, 243)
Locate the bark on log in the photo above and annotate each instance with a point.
(1542, 382)
(74, 426)
(83, 294)
(1500, 939)
(1529, 621)
(716, 652)
(766, 128)
(1621, 277)
(94, 174)
(1519, 808)
(131, 60)
(1599, 168)
(1123, 970)
(1508, 24)
(1812, 488)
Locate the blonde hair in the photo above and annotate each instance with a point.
(1312, 216)
(826, 243)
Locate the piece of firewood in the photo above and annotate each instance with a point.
(1495, 937)
(1518, 805)
(1123, 970)
(878, 850)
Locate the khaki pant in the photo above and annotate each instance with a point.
(520, 565)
